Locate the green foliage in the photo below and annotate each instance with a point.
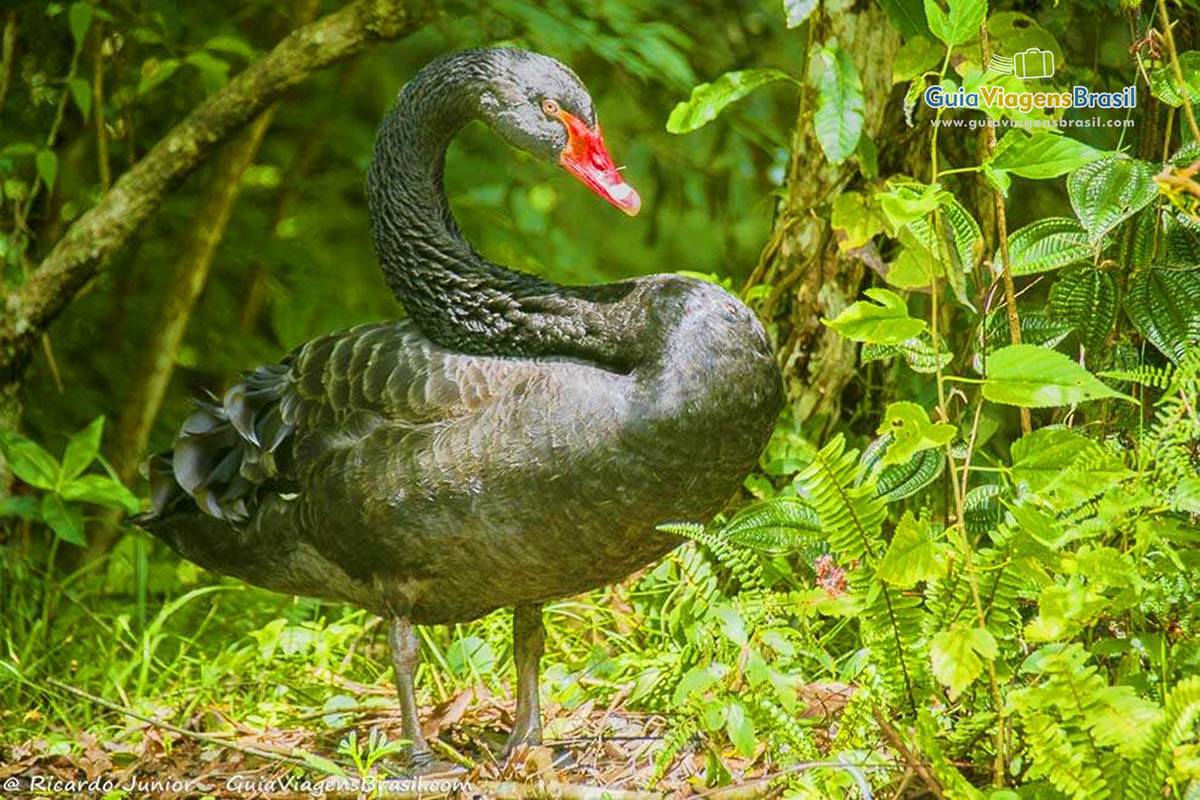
(838, 119)
(60, 484)
(998, 605)
(884, 322)
(1164, 305)
(1036, 377)
(710, 99)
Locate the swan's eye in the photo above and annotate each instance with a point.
(550, 108)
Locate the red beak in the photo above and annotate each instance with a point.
(586, 158)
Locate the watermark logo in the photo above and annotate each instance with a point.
(1028, 65)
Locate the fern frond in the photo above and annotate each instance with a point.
(1146, 375)
(739, 561)
(851, 515)
(1149, 771)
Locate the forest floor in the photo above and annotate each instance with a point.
(600, 752)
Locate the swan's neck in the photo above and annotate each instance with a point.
(458, 298)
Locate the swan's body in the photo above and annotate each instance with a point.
(513, 442)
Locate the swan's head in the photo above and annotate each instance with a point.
(539, 105)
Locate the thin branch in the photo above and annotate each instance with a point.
(102, 164)
(1184, 95)
(7, 45)
(77, 257)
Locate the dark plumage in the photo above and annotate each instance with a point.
(513, 441)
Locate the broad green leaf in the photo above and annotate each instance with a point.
(155, 72)
(1086, 299)
(698, 680)
(854, 221)
(913, 268)
(66, 521)
(46, 162)
(1164, 86)
(1047, 244)
(1164, 305)
(710, 99)
(796, 11)
(732, 625)
(1035, 377)
(1042, 155)
(838, 119)
(1108, 191)
(81, 94)
(903, 203)
(912, 555)
(885, 323)
(79, 18)
(29, 461)
(911, 432)
(917, 56)
(962, 22)
(740, 729)
(907, 16)
(82, 448)
(101, 490)
(955, 656)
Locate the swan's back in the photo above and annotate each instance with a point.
(375, 466)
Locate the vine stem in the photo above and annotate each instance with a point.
(1010, 292)
(1169, 38)
(999, 764)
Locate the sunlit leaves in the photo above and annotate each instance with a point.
(1035, 377)
(797, 11)
(911, 431)
(838, 119)
(710, 99)
(962, 22)
(1107, 192)
(957, 655)
(912, 555)
(855, 222)
(1165, 87)
(82, 449)
(886, 321)
(903, 203)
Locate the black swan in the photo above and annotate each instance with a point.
(512, 441)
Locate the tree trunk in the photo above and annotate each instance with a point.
(78, 256)
(811, 279)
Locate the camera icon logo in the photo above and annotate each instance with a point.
(1027, 65)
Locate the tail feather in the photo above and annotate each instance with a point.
(225, 451)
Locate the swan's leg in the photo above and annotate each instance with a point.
(529, 641)
(406, 656)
